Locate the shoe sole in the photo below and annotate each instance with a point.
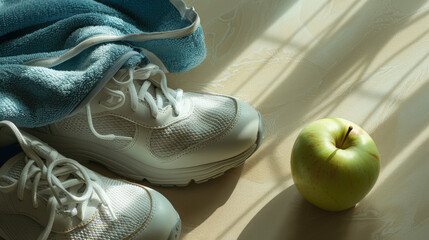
(159, 177)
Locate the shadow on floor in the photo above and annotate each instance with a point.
(289, 216)
(196, 202)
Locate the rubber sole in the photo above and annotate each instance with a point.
(158, 177)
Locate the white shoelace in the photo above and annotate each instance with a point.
(173, 97)
(62, 176)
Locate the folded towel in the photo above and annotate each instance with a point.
(55, 54)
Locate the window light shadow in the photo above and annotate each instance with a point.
(330, 83)
(351, 59)
(291, 217)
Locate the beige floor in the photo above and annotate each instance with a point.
(299, 61)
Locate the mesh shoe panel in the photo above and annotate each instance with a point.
(78, 127)
(211, 116)
(132, 206)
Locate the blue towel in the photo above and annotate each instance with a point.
(56, 54)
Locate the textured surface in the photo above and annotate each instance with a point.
(78, 126)
(32, 95)
(299, 61)
(211, 116)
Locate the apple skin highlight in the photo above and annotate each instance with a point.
(331, 176)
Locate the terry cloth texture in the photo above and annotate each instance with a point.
(53, 53)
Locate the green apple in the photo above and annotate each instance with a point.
(334, 163)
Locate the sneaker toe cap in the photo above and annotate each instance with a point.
(243, 133)
(164, 223)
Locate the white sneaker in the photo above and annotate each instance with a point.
(141, 129)
(47, 196)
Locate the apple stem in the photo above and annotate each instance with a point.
(345, 137)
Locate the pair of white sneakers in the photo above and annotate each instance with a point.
(136, 127)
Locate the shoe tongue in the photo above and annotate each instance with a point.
(124, 74)
(12, 156)
(13, 168)
(152, 91)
